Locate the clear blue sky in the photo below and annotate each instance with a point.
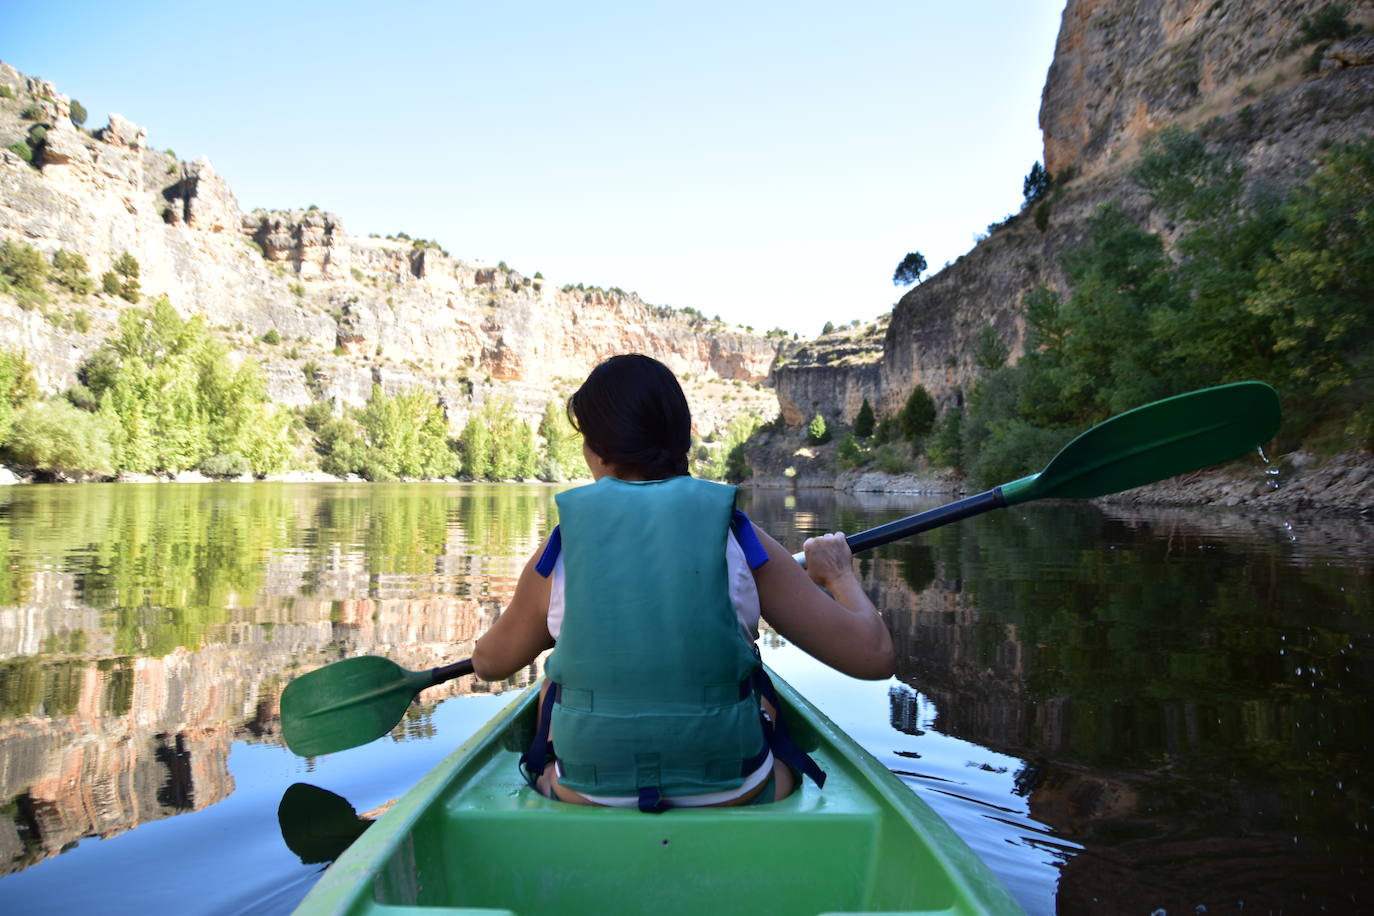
(768, 162)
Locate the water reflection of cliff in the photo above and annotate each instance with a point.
(144, 630)
(1191, 700)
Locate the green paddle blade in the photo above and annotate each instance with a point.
(347, 704)
(316, 824)
(1163, 439)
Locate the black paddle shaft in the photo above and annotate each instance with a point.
(449, 672)
(924, 521)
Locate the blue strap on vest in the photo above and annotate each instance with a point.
(534, 761)
(754, 554)
(780, 739)
(550, 555)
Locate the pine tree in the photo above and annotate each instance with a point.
(864, 421)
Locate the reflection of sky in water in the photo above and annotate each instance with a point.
(230, 857)
(971, 787)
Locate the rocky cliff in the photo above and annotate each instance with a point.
(1240, 72)
(394, 312)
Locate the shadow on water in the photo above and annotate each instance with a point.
(316, 824)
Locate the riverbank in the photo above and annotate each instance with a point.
(1298, 481)
(11, 477)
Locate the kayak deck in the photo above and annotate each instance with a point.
(471, 838)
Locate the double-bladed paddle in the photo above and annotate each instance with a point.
(1151, 443)
(357, 700)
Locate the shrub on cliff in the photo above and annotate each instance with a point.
(817, 433)
(69, 271)
(23, 271)
(1036, 184)
(78, 113)
(1330, 23)
(849, 455)
(122, 279)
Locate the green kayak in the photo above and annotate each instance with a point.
(471, 838)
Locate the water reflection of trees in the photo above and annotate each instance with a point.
(1171, 687)
(139, 623)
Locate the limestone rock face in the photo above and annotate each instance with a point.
(1235, 71)
(1123, 69)
(356, 312)
(202, 199)
(122, 132)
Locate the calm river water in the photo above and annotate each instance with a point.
(1124, 710)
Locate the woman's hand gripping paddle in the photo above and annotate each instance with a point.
(358, 700)
(1163, 439)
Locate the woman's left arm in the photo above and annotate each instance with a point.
(521, 632)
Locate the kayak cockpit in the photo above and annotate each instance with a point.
(472, 838)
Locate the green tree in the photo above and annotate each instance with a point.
(909, 270)
(16, 387)
(55, 436)
(1314, 295)
(737, 469)
(816, 431)
(1036, 184)
(989, 353)
(173, 397)
(78, 113)
(69, 271)
(849, 454)
(917, 415)
(561, 458)
(475, 447)
(945, 446)
(23, 271)
(406, 434)
(126, 266)
(864, 421)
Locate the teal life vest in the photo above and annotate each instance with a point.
(654, 675)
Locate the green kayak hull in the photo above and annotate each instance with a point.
(472, 838)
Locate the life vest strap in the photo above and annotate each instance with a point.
(534, 761)
(780, 739)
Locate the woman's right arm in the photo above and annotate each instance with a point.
(842, 628)
(521, 632)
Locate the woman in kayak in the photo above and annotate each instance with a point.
(651, 589)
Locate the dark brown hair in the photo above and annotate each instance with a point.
(633, 414)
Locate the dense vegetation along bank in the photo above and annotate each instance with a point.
(161, 396)
(1242, 281)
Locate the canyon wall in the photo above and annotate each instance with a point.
(1237, 71)
(362, 310)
